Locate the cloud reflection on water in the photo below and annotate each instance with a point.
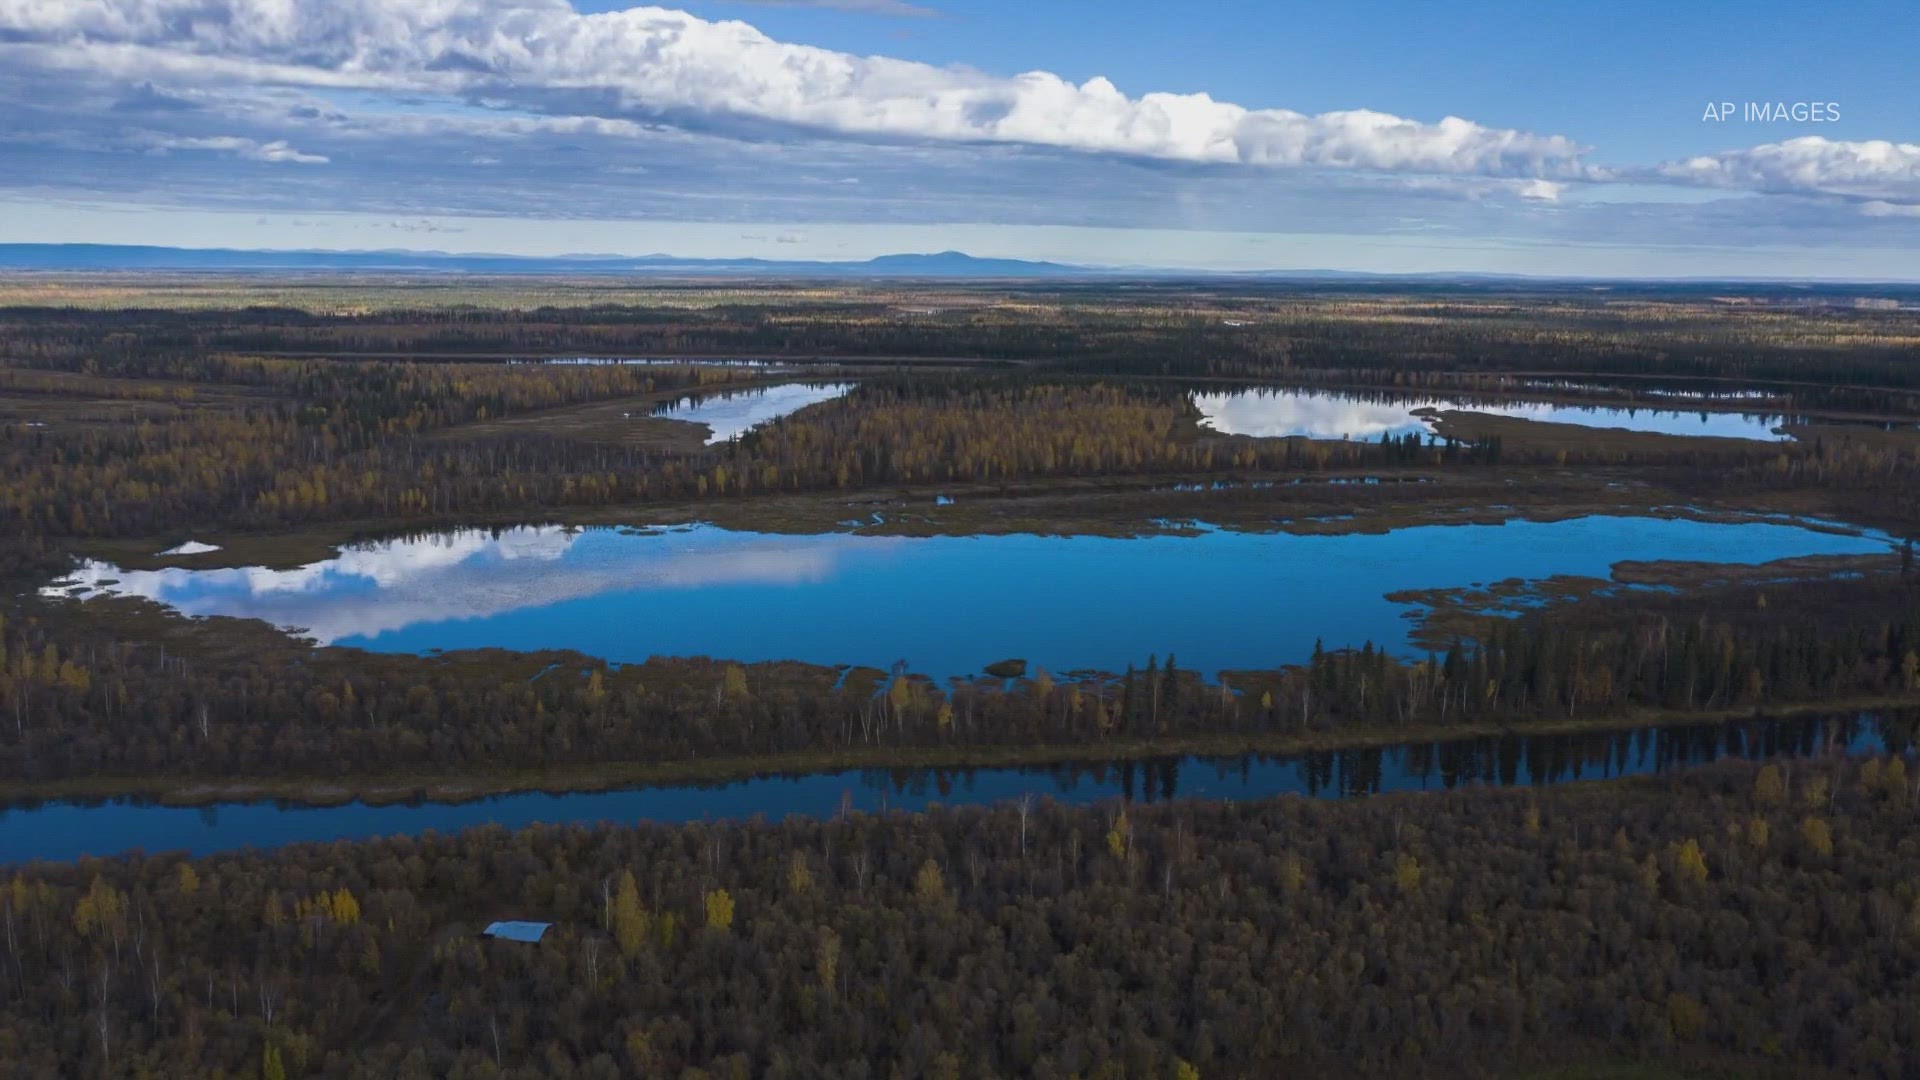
(1317, 414)
(371, 589)
(732, 413)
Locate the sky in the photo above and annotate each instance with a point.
(1628, 139)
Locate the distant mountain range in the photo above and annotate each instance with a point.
(945, 264)
(951, 265)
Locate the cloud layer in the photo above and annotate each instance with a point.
(530, 109)
(1873, 169)
(659, 64)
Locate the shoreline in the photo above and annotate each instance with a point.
(1071, 507)
(470, 787)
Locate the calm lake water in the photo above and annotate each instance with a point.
(1326, 414)
(946, 605)
(67, 830)
(732, 413)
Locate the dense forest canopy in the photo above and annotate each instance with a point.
(1747, 921)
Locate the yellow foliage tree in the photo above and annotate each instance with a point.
(826, 957)
(1120, 837)
(799, 875)
(1893, 778)
(1818, 835)
(1814, 792)
(1690, 863)
(1685, 1016)
(1407, 872)
(734, 689)
(929, 884)
(103, 910)
(1293, 874)
(719, 904)
(630, 922)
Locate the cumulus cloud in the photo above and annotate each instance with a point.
(653, 63)
(1873, 169)
(403, 110)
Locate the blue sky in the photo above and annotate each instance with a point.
(1629, 75)
(1552, 138)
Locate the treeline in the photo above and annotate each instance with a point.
(1751, 921)
(123, 689)
(1252, 333)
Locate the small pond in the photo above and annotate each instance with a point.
(728, 414)
(1326, 414)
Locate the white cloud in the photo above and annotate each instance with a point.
(1481, 187)
(274, 151)
(1541, 190)
(518, 116)
(648, 62)
(1874, 169)
(897, 8)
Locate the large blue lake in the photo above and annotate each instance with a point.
(947, 606)
(67, 830)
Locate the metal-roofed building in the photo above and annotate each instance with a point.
(514, 930)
